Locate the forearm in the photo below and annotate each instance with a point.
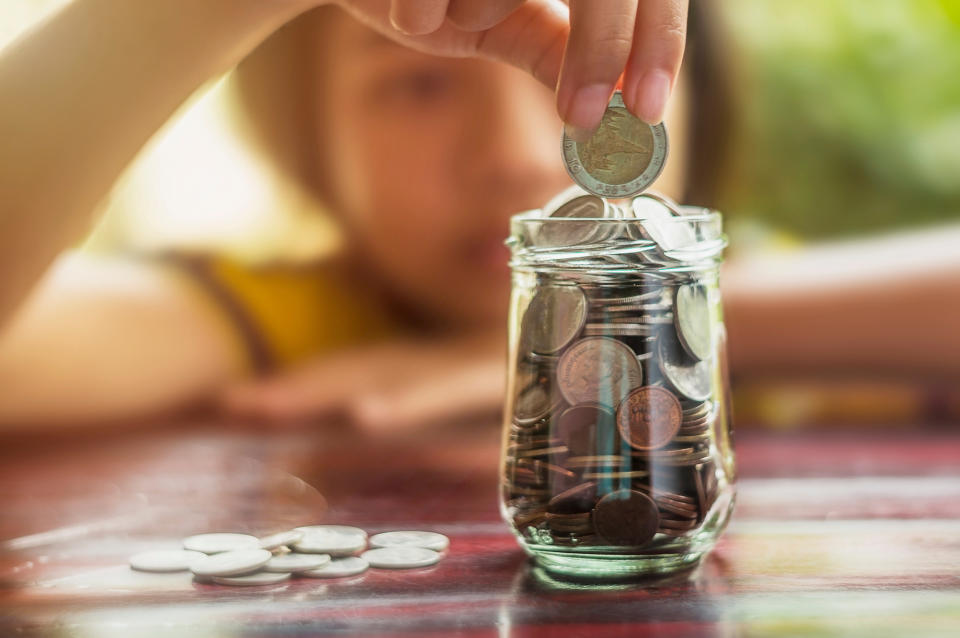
(107, 340)
(80, 95)
(885, 307)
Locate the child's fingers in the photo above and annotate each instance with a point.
(655, 58)
(531, 38)
(417, 17)
(441, 398)
(479, 15)
(601, 36)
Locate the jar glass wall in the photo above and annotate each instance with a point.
(617, 457)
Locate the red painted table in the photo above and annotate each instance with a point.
(853, 533)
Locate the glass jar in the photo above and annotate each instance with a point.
(617, 457)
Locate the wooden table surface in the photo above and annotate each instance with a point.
(836, 533)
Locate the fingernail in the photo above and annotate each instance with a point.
(585, 108)
(578, 134)
(650, 96)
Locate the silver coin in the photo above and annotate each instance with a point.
(427, 540)
(663, 225)
(692, 381)
(341, 529)
(338, 568)
(598, 369)
(553, 319)
(402, 557)
(693, 321)
(296, 562)
(554, 234)
(252, 580)
(332, 540)
(232, 563)
(220, 542)
(281, 539)
(533, 398)
(622, 158)
(164, 560)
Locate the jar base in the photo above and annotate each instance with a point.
(601, 567)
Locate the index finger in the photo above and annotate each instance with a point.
(601, 37)
(655, 58)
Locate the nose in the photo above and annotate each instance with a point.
(512, 149)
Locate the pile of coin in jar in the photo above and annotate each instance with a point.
(615, 400)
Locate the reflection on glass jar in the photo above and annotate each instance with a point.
(616, 451)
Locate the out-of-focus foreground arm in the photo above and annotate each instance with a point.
(106, 339)
(80, 95)
(887, 307)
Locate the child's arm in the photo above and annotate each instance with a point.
(104, 339)
(83, 92)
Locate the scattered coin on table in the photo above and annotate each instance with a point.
(400, 557)
(232, 563)
(219, 542)
(252, 580)
(273, 559)
(164, 560)
(427, 540)
(296, 562)
(339, 568)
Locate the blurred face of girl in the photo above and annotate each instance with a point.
(429, 158)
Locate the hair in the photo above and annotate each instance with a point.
(279, 99)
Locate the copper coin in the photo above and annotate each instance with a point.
(676, 509)
(587, 429)
(576, 500)
(649, 417)
(553, 319)
(598, 370)
(626, 517)
(607, 460)
(666, 523)
(616, 475)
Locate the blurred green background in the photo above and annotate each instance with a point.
(850, 114)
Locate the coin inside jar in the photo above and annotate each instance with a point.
(555, 316)
(623, 157)
(586, 429)
(692, 381)
(626, 517)
(571, 233)
(649, 417)
(598, 369)
(692, 317)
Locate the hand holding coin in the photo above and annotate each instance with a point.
(581, 49)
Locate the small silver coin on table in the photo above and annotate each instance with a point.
(296, 562)
(252, 580)
(164, 560)
(281, 539)
(402, 557)
(214, 543)
(427, 540)
(240, 561)
(339, 568)
(333, 540)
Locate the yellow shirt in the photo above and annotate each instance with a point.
(285, 313)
